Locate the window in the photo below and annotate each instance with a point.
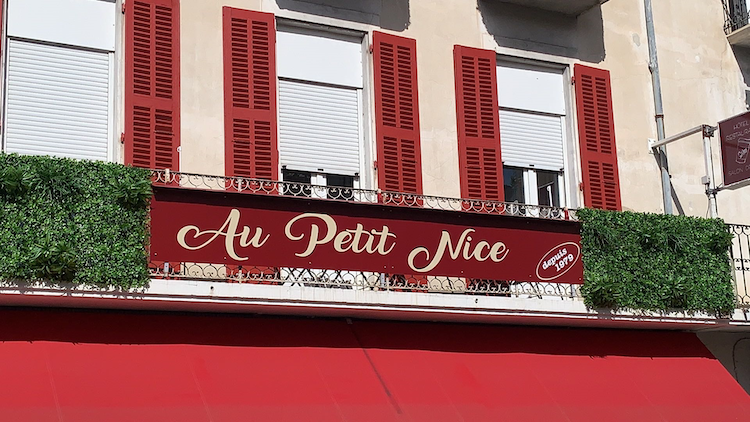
(320, 80)
(299, 181)
(317, 185)
(532, 133)
(60, 78)
(548, 188)
(536, 187)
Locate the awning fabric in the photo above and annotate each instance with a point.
(64, 365)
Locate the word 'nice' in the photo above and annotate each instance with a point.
(482, 251)
(357, 240)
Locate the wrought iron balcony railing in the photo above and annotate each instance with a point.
(736, 15)
(740, 256)
(361, 280)
(334, 193)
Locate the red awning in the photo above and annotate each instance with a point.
(113, 366)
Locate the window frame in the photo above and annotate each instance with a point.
(568, 177)
(366, 176)
(531, 186)
(115, 98)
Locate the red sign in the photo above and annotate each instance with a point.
(735, 148)
(279, 231)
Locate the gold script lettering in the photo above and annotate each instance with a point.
(229, 231)
(357, 240)
(497, 252)
(314, 240)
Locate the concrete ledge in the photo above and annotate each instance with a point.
(207, 296)
(740, 37)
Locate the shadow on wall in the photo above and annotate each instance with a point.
(742, 54)
(741, 362)
(387, 14)
(542, 31)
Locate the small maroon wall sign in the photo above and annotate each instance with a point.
(735, 148)
(279, 231)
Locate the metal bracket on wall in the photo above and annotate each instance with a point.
(707, 131)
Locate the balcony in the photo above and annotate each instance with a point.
(202, 258)
(736, 22)
(337, 290)
(361, 280)
(565, 7)
(374, 209)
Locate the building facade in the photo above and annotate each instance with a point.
(537, 48)
(527, 110)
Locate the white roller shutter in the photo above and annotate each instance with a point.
(319, 128)
(531, 140)
(57, 101)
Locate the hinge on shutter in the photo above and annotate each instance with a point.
(375, 164)
(370, 49)
(573, 80)
(123, 7)
(580, 186)
(122, 138)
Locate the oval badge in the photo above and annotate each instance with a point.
(558, 261)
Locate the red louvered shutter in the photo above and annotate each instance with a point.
(152, 84)
(596, 134)
(477, 113)
(250, 144)
(397, 114)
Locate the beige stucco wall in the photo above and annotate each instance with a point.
(438, 26)
(701, 83)
(202, 81)
(626, 48)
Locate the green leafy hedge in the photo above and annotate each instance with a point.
(650, 262)
(74, 221)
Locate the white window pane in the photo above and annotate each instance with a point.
(514, 185)
(57, 101)
(532, 90)
(83, 23)
(319, 59)
(548, 188)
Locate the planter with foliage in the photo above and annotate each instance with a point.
(651, 262)
(65, 220)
